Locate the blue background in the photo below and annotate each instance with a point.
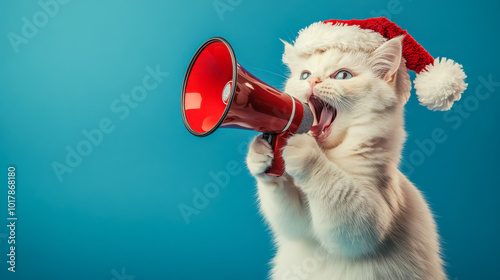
(117, 213)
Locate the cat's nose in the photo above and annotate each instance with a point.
(313, 81)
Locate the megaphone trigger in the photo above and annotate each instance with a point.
(278, 142)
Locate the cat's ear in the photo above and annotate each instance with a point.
(386, 59)
(288, 46)
(289, 55)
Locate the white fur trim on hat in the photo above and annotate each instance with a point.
(440, 84)
(322, 36)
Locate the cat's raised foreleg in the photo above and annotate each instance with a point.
(281, 202)
(348, 217)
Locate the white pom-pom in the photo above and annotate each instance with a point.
(440, 84)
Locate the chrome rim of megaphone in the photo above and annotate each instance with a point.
(186, 77)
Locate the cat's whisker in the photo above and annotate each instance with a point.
(280, 69)
(271, 72)
(344, 103)
(337, 101)
(289, 38)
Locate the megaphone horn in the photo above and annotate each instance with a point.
(218, 92)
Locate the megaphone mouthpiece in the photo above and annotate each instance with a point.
(307, 120)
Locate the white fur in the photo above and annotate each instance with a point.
(343, 210)
(321, 36)
(439, 85)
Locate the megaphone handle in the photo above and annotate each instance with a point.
(278, 142)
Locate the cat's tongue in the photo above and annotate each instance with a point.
(324, 121)
(324, 115)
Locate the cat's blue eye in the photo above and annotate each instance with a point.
(305, 75)
(342, 75)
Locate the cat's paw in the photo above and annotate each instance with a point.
(300, 155)
(260, 157)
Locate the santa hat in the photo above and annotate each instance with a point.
(439, 82)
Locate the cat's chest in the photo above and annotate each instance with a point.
(344, 158)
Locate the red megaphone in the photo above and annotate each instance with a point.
(218, 92)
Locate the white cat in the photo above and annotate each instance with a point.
(343, 210)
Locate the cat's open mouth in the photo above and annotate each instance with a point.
(324, 115)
